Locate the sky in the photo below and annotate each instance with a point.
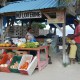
(69, 30)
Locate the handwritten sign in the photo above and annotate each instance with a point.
(27, 15)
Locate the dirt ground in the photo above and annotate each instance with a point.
(54, 71)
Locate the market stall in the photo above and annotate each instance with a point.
(53, 12)
(41, 64)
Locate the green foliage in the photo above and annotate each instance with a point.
(66, 2)
(35, 24)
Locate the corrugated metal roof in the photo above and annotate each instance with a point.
(29, 5)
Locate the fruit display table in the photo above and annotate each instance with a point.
(41, 63)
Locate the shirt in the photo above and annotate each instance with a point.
(32, 37)
(29, 34)
(33, 40)
(77, 30)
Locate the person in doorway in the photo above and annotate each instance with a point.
(76, 37)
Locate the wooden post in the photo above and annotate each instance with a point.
(65, 56)
(1, 26)
(64, 50)
(30, 23)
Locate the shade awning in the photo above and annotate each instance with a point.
(27, 5)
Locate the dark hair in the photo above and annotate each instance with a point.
(75, 20)
(28, 28)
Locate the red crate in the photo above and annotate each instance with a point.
(5, 68)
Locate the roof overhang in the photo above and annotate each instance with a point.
(27, 5)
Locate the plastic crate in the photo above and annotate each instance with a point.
(6, 67)
(31, 67)
(15, 58)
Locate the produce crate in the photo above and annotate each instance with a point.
(7, 60)
(15, 58)
(31, 67)
(5, 67)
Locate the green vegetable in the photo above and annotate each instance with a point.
(31, 45)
